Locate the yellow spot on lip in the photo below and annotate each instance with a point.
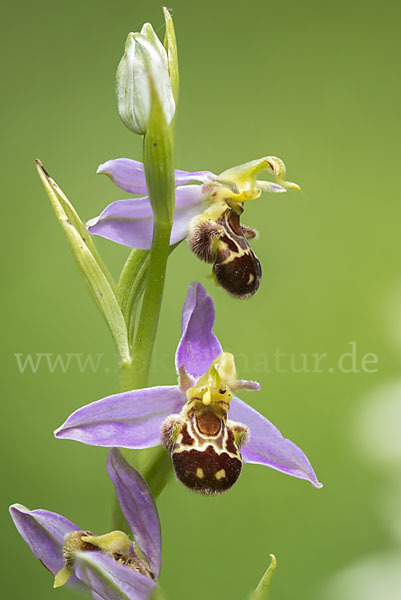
(199, 473)
(207, 398)
(220, 474)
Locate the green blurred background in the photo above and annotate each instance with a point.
(316, 84)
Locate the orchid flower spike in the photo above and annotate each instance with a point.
(207, 430)
(207, 211)
(110, 566)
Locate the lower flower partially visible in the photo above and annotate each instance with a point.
(110, 566)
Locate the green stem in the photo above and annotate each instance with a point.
(131, 285)
(158, 471)
(146, 333)
(158, 594)
(130, 289)
(126, 376)
(262, 591)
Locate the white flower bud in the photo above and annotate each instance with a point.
(143, 72)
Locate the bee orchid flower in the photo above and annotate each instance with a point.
(207, 430)
(207, 210)
(110, 566)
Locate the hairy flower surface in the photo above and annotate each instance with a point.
(208, 431)
(110, 566)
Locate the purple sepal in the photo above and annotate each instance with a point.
(198, 346)
(110, 579)
(44, 532)
(268, 447)
(129, 175)
(129, 420)
(244, 384)
(138, 507)
(130, 222)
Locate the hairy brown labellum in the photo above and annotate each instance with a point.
(204, 448)
(224, 243)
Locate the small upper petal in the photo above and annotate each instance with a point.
(270, 186)
(198, 346)
(138, 507)
(267, 446)
(130, 222)
(129, 175)
(111, 580)
(129, 420)
(44, 532)
(184, 177)
(244, 384)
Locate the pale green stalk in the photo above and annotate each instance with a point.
(158, 594)
(128, 284)
(159, 173)
(147, 327)
(129, 291)
(262, 592)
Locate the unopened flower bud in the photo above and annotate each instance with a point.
(143, 73)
